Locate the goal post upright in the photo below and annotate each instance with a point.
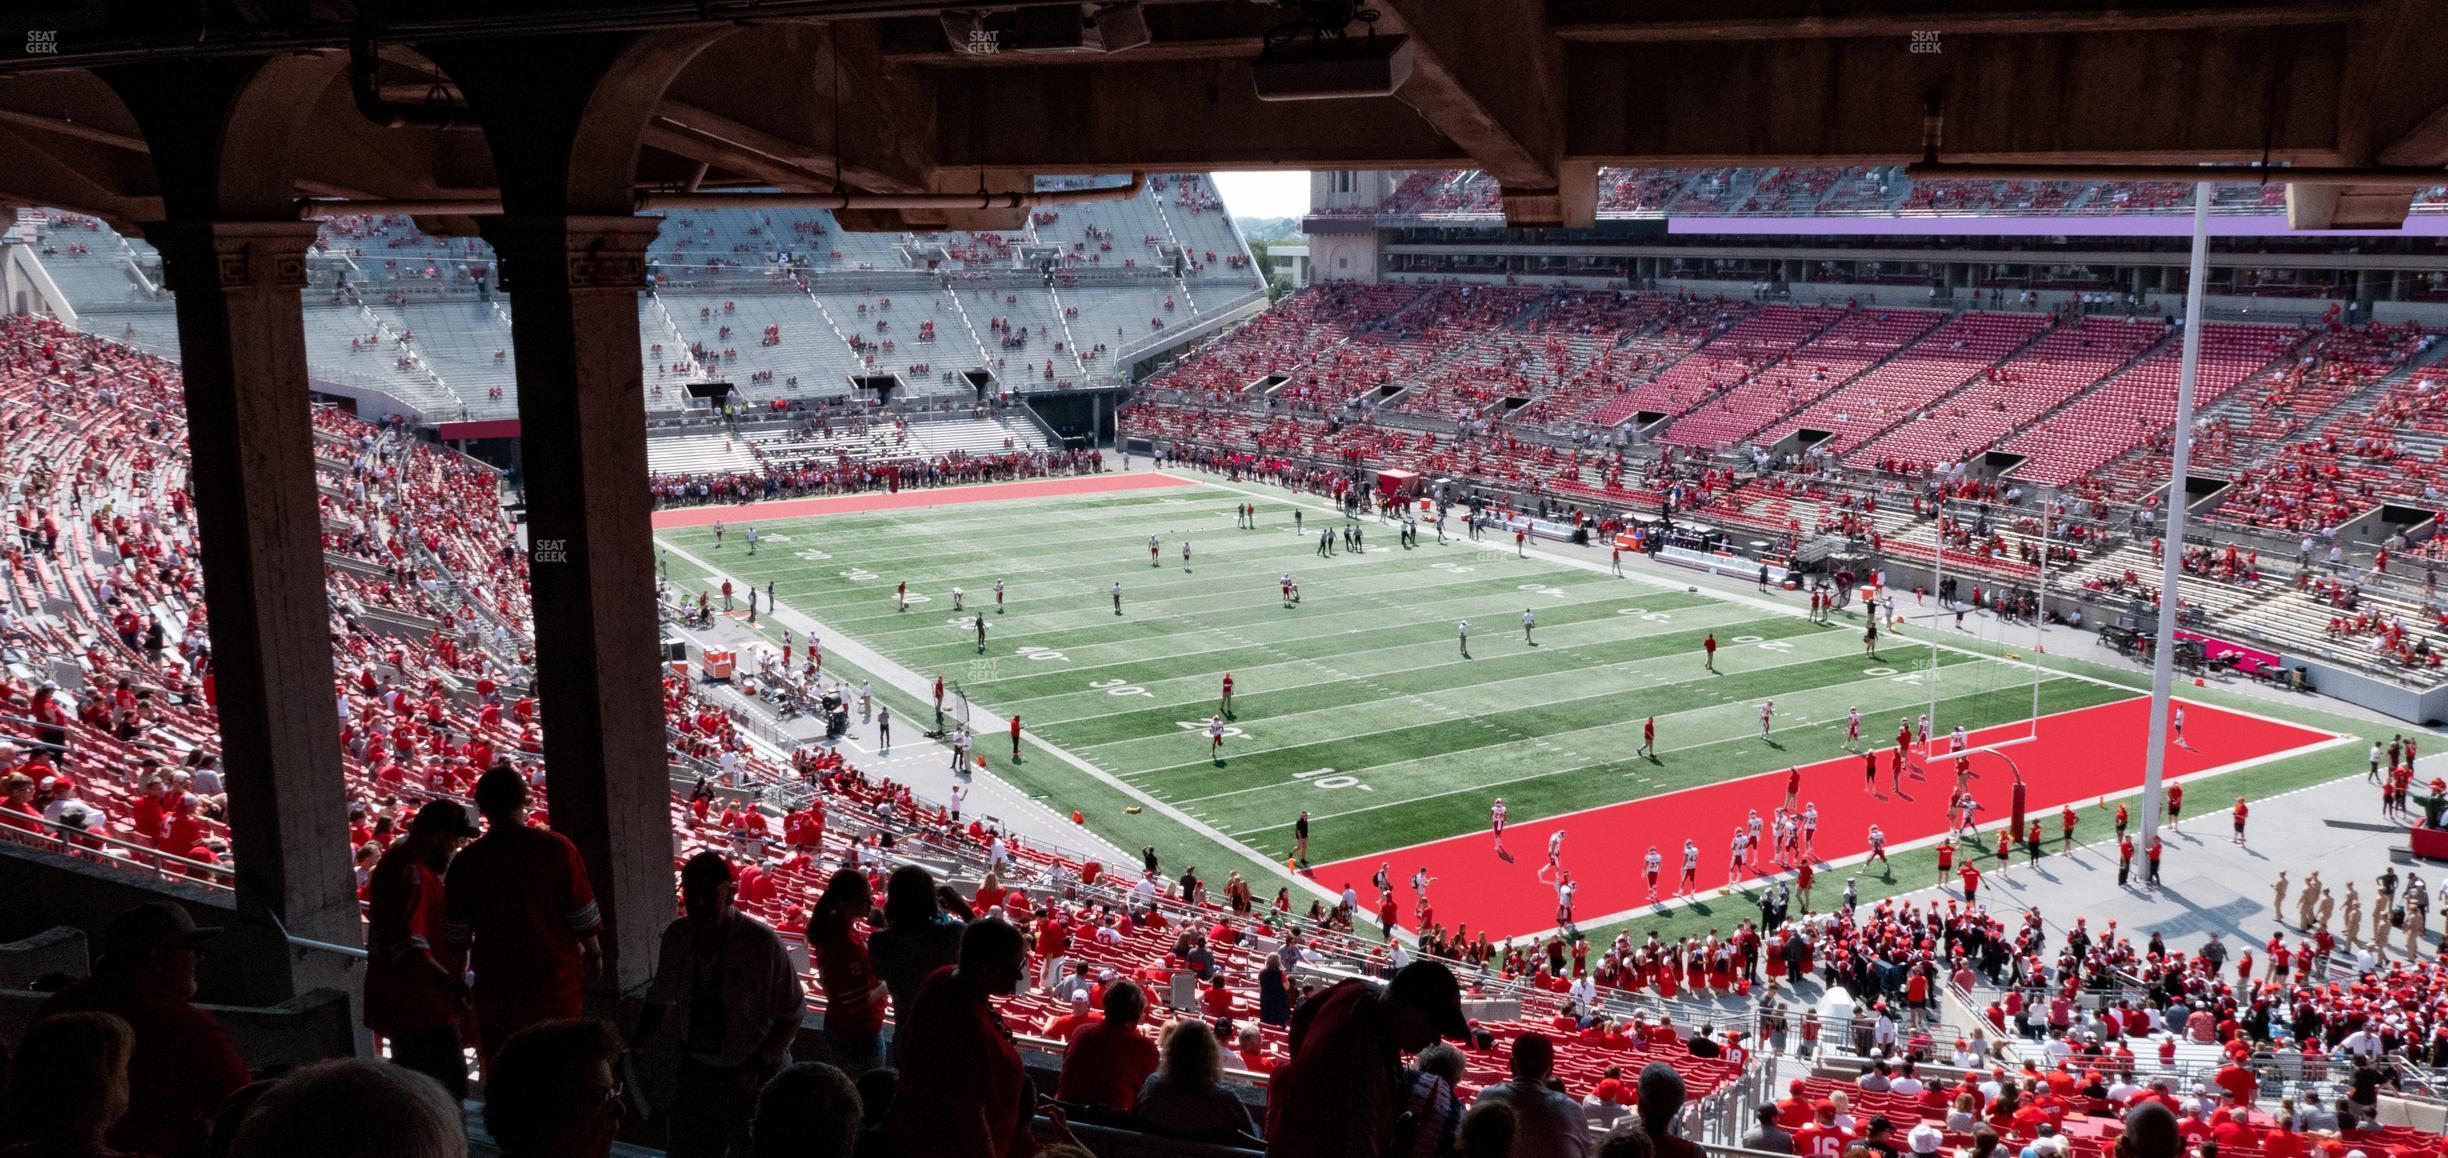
(2171, 552)
(2040, 617)
(1939, 578)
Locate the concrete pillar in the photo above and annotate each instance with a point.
(574, 281)
(244, 352)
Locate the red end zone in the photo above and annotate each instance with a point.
(2079, 757)
(1087, 484)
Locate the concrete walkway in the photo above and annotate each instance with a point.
(2209, 884)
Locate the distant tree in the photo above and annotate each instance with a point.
(1277, 284)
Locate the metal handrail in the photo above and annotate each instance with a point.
(74, 841)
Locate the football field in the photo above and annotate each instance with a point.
(1359, 705)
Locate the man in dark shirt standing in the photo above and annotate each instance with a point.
(1338, 1095)
(1769, 1138)
(184, 1066)
(521, 912)
(410, 997)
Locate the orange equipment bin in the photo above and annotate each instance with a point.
(720, 664)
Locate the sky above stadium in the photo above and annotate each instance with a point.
(1265, 194)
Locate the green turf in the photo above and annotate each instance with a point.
(1356, 705)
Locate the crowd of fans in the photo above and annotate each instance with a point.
(852, 476)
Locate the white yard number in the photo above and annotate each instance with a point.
(812, 555)
(1231, 732)
(1034, 652)
(771, 538)
(961, 622)
(1120, 688)
(1910, 677)
(1543, 589)
(1456, 568)
(1776, 645)
(1327, 778)
(858, 575)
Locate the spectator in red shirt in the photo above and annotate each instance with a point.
(19, 810)
(1338, 1095)
(1067, 1027)
(410, 997)
(1251, 1047)
(1823, 1138)
(1109, 1059)
(854, 995)
(2240, 1083)
(1217, 1001)
(521, 912)
(184, 1066)
(1795, 1111)
(970, 1099)
(1611, 1088)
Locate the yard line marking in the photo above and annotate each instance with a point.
(1483, 718)
(1493, 786)
(893, 674)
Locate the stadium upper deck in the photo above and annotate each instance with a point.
(784, 303)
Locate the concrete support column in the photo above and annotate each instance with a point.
(575, 282)
(244, 352)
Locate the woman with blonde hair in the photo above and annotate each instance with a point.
(390, 1111)
(1185, 1097)
(70, 1086)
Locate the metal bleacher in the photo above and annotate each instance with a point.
(716, 453)
(979, 435)
(888, 339)
(810, 359)
(374, 362)
(467, 344)
(1199, 222)
(376, 278)
(1123, 318)
(1021, 309)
